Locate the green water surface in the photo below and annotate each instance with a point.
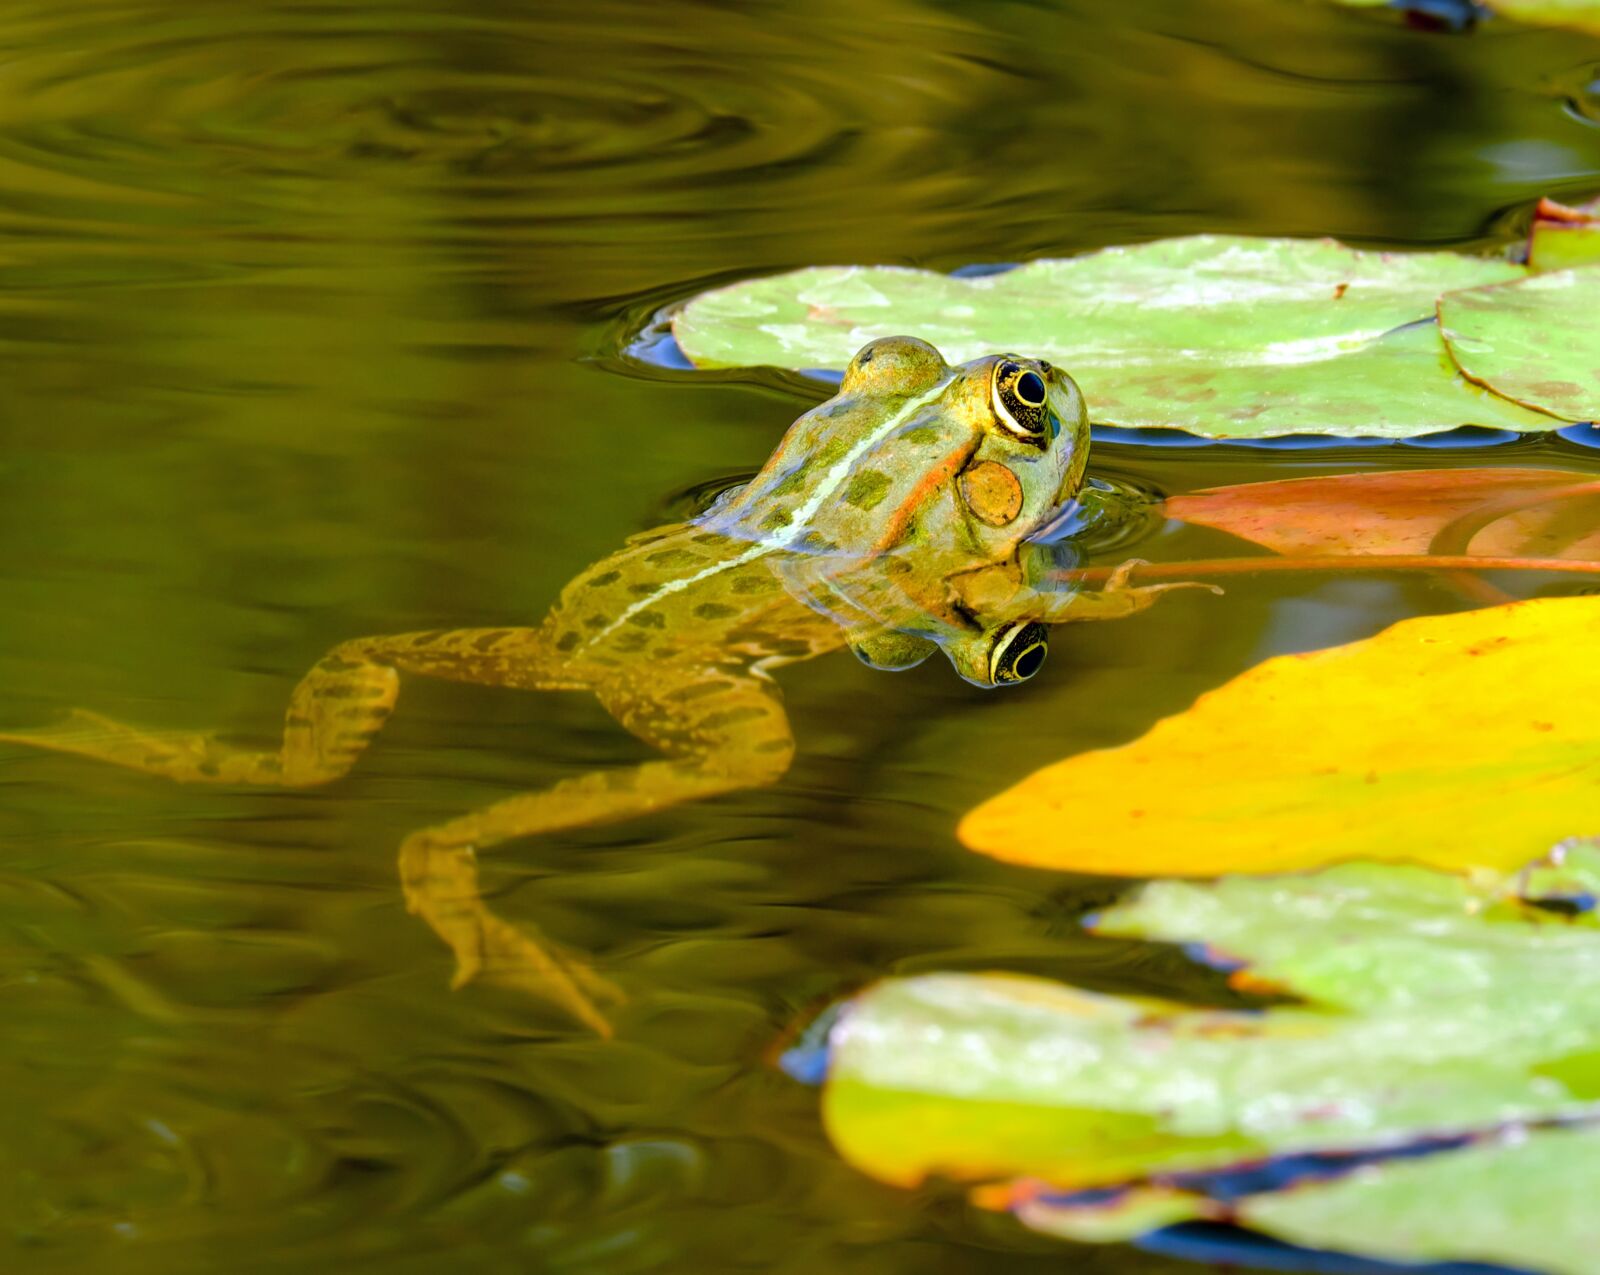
(312, 318)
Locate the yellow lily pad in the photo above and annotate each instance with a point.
(1456, 741)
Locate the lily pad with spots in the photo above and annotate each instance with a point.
(1223, 336)
(1535, 341)
(1524, 1198)
(1437, 1020)
(1520, 1196)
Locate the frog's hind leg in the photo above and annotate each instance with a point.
(333, 713)
(720, 732)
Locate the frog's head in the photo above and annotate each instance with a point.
(917, 456)
(913, 474)
(998, 445)
(1007, 441)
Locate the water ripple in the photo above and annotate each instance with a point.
(587, 155)
(143, 115)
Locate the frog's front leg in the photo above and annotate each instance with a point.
(1113, 600)
(333, 713)
(1036, 590)
(720, 731)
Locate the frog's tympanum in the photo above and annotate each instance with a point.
(891, 519)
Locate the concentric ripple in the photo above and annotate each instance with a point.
(582, 153)
(300, 123)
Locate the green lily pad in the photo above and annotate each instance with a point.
(1395, 939)
(1536, 341)
(1525, 1199)
(1433, 1014)
(1222, 336)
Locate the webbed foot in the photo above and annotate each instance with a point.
(1117, 582)
(1115, 600)
(502, 953)
(441, 886)
(181, 754)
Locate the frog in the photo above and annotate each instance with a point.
(898, 518)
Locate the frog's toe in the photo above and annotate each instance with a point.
(75, 724)
(507, 956)
(1118, 579)
(88, 734)
(469, 964)
(1117, 582)
(1155, 589)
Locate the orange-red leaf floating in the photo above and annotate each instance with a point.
(1458, 741)
(1533, 513)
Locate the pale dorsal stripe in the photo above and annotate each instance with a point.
(785, 537)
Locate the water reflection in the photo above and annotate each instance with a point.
(295, 306)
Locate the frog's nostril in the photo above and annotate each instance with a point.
(1030, 389)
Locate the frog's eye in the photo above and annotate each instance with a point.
(1018, 653)
(1019, 396)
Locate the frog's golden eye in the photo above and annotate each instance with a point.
(1018, 653)
(1019, 397)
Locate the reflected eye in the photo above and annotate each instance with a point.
(1019, 653)
(1019, 402)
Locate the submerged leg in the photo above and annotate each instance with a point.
(333, 713)
(720, 734)
(1113, 601)
(720, 731)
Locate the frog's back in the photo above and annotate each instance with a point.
(681, 593)
(850, 473)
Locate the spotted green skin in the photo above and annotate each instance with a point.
(854, 532)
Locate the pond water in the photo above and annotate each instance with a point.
(313, 320)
